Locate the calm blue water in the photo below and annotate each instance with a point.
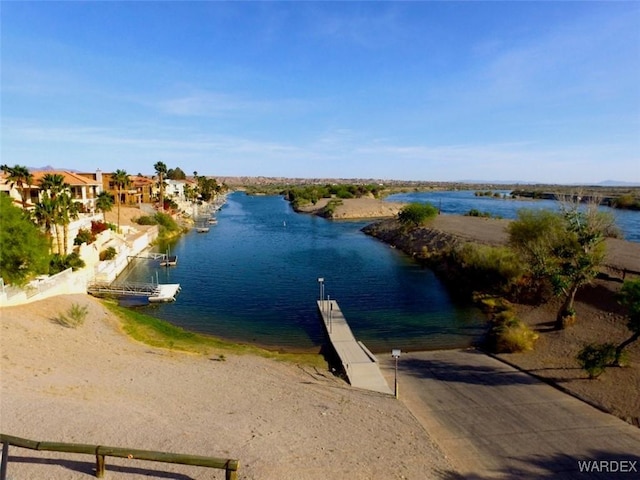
(460, 202)
(253, 278)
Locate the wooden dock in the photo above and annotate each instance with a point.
(360, 365)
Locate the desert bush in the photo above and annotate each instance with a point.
(514, 336)
(595, 357)
(84, 236)
(146, 220)
(166, 221)
(74, 317)
(108, 254)
(330, 208)
(494, 268)
(416, 214)
(507, 333)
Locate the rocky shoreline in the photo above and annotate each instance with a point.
(553, 359)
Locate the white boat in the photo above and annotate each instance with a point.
(202, 229)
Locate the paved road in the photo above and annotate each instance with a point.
(494, 421)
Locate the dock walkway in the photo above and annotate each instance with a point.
(153, 291)
(360, 365)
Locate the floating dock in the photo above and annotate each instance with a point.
(169, 261)
(156, 293)
(360, 365)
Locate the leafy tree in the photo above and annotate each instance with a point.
(534, 235)
(24, 250)
(161, 170)
(21, 178)
(176, 174)
(120, 180)
(104, 203)
(566, 247)
(629, 296)
(416, 214)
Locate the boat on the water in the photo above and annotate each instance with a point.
(202, 229)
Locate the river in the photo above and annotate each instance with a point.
(459, 202)
(253, 278)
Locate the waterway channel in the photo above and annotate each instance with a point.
(254, 278)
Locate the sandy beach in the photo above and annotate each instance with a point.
(93, 384)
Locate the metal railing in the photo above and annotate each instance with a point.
(230, 466)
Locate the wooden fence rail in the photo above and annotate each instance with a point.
(230, 466)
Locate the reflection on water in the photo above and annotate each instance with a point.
(254, 278)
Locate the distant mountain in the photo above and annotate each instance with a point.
(49, 168)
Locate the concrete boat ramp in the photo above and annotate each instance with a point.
(360, 365)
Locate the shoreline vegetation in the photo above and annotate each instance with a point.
(553, 359)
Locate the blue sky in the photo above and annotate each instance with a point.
(443, 91)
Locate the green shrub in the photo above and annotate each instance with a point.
(84, 236)
(146, 220)
(507, 334)
(60, 263)
(595, 357)
(108, 254)
(166, 221)
(492, 267)
(330, 208)
(513, 336)
(74, 317)
(417, 214)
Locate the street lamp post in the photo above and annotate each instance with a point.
(395, 353)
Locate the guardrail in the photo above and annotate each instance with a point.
(230, 466)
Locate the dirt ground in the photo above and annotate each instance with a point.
(94, 385)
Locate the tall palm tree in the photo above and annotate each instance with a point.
(120, 180)
(104, 203)
(45, 215)
(69, 210)
(54, 186)
(20, 177)
(161, 170)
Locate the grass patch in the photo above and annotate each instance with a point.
(162, 334)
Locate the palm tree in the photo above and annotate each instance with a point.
(68, 211)
(120, 180)
(21, 178)
(54, 186)
(104, 203)
(161, 170)
(45, 215)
